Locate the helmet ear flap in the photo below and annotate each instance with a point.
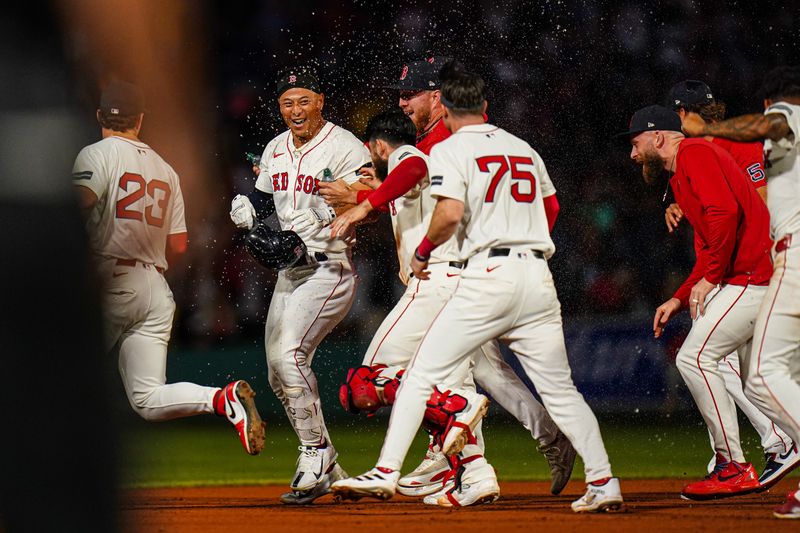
(275, 249)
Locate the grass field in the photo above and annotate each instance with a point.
(205, 451)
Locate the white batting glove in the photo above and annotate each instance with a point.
(243, 214)
(306, 222)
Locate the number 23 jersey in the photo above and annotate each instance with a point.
(292, 175)
(502, 182)
(139, 199)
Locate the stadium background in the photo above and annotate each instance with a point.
(564, 75)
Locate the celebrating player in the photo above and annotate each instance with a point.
(780, 452)
(726, 286)
(492, 183)
(134, 207)
(408, 195)
(770, 371)
(310, 298)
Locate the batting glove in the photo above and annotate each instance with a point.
(311, 220)
(243, 214)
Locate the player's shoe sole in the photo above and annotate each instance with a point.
(372, 484)
(246, 420)
(458, 436)
(307, 497)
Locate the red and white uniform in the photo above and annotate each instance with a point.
(750, 158)
(732, 244)
(398, 336)
(308, 301)
(771, 372)
(139, 205)
(509, 296)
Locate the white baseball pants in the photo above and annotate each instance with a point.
(308, 302)
(400, 333)
(138, 310)
(513, 299)
(726, 326)
(772, 372)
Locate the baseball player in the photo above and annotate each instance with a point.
(489, 186)
(780, 452)
(134, 207)
(406, 189)
(726, 286)
(770, 370)
(311, 298)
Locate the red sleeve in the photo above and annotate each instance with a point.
(551, 209)
(750, 157)
(701, 253)
(399, 181)
(720, 209)
(363, 195)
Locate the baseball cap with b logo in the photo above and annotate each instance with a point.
(122, 98)
(296, 78)
(421, 75)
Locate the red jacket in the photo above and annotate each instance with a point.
(749, 157)
(435, 134)
(730, 221)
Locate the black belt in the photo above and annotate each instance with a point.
(310, 258)
(504, 252)
(457, 264)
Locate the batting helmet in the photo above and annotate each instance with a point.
(275, 249)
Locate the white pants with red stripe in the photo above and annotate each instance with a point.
(138, 308)
(726, 326)
(773, 438)
(399, 335)
(308, 302)
(772, 377)
(512, 299)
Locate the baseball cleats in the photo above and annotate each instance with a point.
(312, 465)
(601, 496)
(235, 402)
(378, 483)
(777, 466)
(307, 497)
(475, 484)
(790, 508)
(728, 479)
(560, 456)
(460, 430)
(427, 478)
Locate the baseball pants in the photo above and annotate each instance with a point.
(138, 310)
(772, 379)
(512, 299)
(308, 302)
(399, 335)
(726, 326)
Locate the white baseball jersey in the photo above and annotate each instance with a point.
(783, 173)
(292, 175)
(139, 199)
(411, 216)
(501, 181)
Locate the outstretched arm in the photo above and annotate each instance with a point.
(746, 128)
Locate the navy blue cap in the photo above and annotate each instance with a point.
(122, 98)
(420, 75)
(652, 118)
(688, 93)
(296, 78)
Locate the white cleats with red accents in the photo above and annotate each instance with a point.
(600, 497)
(476, 484)
(379, 483)
(236, 402)
(427, 477)
(458, 433)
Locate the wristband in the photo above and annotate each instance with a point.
(423, 251)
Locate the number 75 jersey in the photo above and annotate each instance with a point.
(502, 182)
(139, 199)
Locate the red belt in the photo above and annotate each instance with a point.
(132, 263)
(783, 244)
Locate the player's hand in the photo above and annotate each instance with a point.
(337, 193)
(418, 267)
(697, 298)
(673, 216)
(243, 214)
(370, 181)
(664, 312)
(693, 125)
(307, 222)
(345, 222)
(256, 170)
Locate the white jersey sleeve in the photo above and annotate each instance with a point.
(353, 155)
(546, 184)
(177, 223)
(447, 174)
(792, 118)
(90, 171)
(782, 159)
(264, 180)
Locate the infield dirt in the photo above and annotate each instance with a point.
(650, 506)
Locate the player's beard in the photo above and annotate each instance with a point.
(381, 168)
(652, 167)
